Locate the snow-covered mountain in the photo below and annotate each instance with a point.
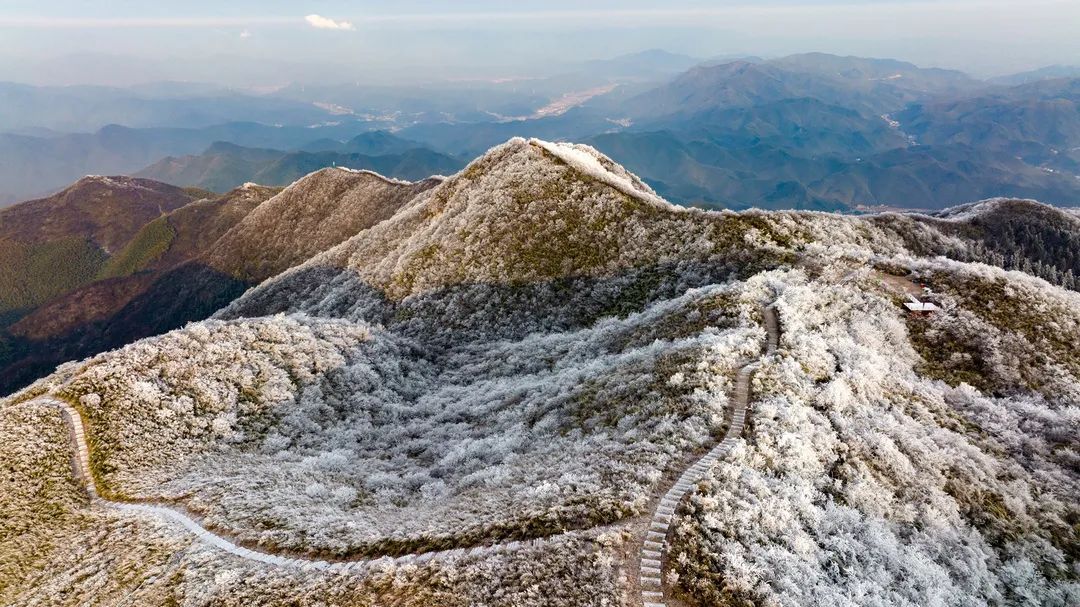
(475, 390)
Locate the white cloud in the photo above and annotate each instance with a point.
(245, 34)
(325, 23)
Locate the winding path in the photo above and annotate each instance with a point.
(652, 551)
(654, 545)
(81, 464)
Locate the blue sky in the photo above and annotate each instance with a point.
(258, 43)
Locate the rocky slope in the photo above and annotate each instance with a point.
(530, 350)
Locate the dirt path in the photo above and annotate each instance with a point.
(649, 577)
(81, 464)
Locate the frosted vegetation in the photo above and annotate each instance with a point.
(120, 560)
(524, 350)
(864, 482)
(261, 425)
(313, 214)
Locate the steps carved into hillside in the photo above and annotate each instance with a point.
(654, 545)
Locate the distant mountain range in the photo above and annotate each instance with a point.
(651, 64)
(869, 85)
(1050, 72)
(826, 132)
(81, 108)
(1038, 122)
(39, 165)
(224, 166)
(804, 131)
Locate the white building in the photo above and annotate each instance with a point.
(915, 305)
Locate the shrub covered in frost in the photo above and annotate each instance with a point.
(861, 481)
(326, 436)
(526, 348)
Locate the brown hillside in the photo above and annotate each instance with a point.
(106, 210)
(310, 216)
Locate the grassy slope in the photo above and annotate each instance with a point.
(36, 484)
(149, 244)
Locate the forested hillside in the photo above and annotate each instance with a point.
(140, 257)
(485, 395)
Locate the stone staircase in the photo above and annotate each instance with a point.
(651, 571)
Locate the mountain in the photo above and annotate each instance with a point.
(1038, 122)
(942, 176)
(181, 105)
(872, 86)
(107, 211)
(805, 125)
(219, 168)
(471, 139)
(808, 131)
(310, 216)
(862, 71)
(371, 143)
(127, 300)
(763, 156)
(42, 163)
(224, 166)
(715, 173)
(1014, 234)
(735, 84)
(824, 132)
(1050, 72)
(539, 383)
(81, 267)
(55, 244)
(652, 64)
(721, 122)
(170, 259)
(710, 174)
(429, 246)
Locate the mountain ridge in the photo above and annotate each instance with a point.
(224, 166)
(525, 351)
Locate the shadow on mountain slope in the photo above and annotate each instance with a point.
(188, 292)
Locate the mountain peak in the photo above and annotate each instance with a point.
(108, 209)
(313, 214)
(526, 212)
(1005, 207)
(117, 182)
(588, 161)
(509, 162)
